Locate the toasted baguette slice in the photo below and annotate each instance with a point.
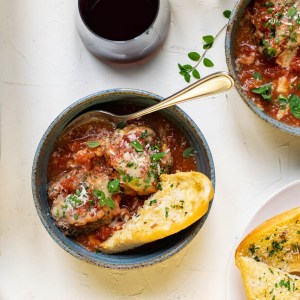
(264, 282)
(275, 242)
(183, 199)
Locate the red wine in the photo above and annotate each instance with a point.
(118, 20)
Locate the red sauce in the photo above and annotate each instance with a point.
(71, 153)
(257, 53)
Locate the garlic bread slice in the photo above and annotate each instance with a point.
(182, 199)
(275, 242)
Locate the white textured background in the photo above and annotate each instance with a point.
(44, 67)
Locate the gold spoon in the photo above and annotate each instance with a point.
(210, 85)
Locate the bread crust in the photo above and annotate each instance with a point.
(183, 199)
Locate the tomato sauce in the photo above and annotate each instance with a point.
(267, 61)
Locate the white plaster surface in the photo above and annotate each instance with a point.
(44, 67)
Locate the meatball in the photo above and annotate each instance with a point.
(81, 202)
(139, 156)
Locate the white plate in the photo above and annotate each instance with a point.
(285, 199)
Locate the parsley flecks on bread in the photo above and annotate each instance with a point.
(264, 282)
(182, 199)
(275, 242)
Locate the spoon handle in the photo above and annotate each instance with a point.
(211, 85)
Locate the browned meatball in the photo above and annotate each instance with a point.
(81, 201)
(137, 153)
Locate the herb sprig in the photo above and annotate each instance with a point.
(188, 71)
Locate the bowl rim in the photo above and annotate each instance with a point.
(44, 216)
(236, 15)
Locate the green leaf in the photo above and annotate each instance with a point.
(196, 74)
(114, 186)
(110, 203)
(195, 56)
(283, 102)
(294, 102)
(227, 13)
(101, 197)
(183, 73)
(187, 77)
(188, 67)
(137, 146)
(257, 76)
(207, 46)
(144, 134)
(208, 63)
(264, 90)
(269, 52)
(92, 144)
(291, 12)
(157, 156)
(152, 202)
(181, 68)
(208, 39)
(187, 152)
(121, 125)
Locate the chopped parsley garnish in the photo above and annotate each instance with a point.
(127, 178)
(134, 181)
(291, 12)
(144, 134)
(257, 76)
(152, 202)
(283, 101)
(121, 125)
(103, 199)
(276, 248)
(166, 212)
(252, 249)
(92, 144)
(74, 199)
(157, 156)
(264, 90)
(269, 52)
(137, 146)
(294, 102)
(110, 203)
(188, 152)
(269, 4)
(75, 216)
(155, 147)
(114, 186)
(286, 284)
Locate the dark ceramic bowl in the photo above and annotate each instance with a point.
(147, 254)
(233, 25)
